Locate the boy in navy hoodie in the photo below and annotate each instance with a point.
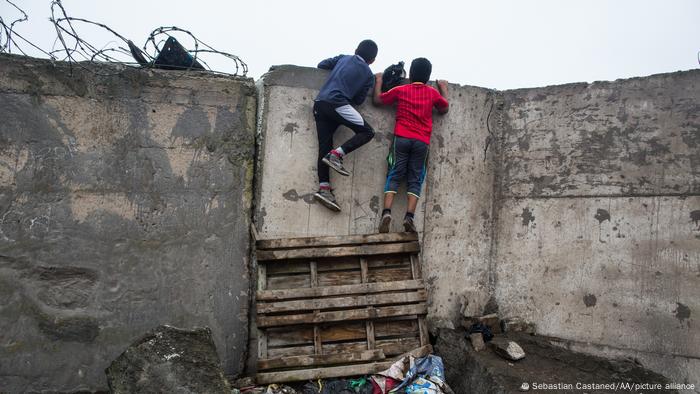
(348, 85)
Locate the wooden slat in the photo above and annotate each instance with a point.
(318, 344)
(262, 276)
(286, 294)
(320, 360)
(415, 266)
(280, 282)
(335, 240)
(331, 316)
(423, 331)
(397, 273)
(369, 326)
(359, 250)
(314, 273)
(339, 278)
(341, 371)
(342, 302)
(262, 344)
(322, 373)
(363, 269)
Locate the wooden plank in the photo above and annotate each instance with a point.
(289, 336)
(351, 314)
(342, 302)
(335, 240)
(322, 373)
(285, 294)
(370, 334)
(397, 273)
(291, 351)
(339, 278)
(399, 328)
(363, 269)
(345, 331)
(291, 267)
(423, 330)
(320, 360)
(359, 250)
(415, 266)
(314, 273)
(279, 282)
(262, 344)
(262, 276)
(392, 347)
(318, 345)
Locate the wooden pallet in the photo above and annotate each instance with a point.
(337, 306)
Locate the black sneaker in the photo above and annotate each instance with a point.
(326, 197)
(335, 163)
(408, 225)
(385, 223)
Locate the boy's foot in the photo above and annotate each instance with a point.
(408, 225)
(335, 162)
(326, 197)
(385, 223)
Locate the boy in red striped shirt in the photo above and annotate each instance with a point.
(414, 124)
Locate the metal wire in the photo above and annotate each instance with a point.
(8, 35)
(71, 47)
(158, 36)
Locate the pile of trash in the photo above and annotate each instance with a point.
(409, 375)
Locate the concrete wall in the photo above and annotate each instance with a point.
(124, 204)
(598, 234)
(456, 229)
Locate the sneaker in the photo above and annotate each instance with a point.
(326, 197)
(385, 224)
(409, 226)
(335, 162)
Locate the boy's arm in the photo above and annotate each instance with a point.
(377, 90)
(362, 94)
(329, 63)
(442, 88)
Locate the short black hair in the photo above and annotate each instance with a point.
(368, 50)
(420, 70)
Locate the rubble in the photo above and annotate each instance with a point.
(517, 324)
(477, 340)
(169, 359)
(507, 349)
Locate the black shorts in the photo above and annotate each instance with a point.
(407, 159)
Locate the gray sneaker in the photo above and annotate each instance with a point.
(385, 223)
(335, 163)
(409, 226)
(326, 197)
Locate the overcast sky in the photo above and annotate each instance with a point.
(497, 44)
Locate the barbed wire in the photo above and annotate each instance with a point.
(8, 34)
(154, 42)
(71, 47)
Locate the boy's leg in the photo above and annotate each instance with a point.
(348, 116)
(325, 128)
(417, 167)
(397, 161)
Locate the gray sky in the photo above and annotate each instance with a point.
(497, 44)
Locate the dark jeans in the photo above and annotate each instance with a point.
(407, 159)
(327, 121)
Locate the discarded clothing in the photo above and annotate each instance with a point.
(429, 368)
(423, 386)
(382, 384)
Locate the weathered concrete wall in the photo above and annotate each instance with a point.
(456, 231)
(124, 204)
(598, 235)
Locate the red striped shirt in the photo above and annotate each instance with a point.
(414, 109)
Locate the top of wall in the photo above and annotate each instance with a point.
(22, 74)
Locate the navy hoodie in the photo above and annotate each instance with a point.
(349, 82)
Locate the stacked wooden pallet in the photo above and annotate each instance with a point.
(337, 306)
